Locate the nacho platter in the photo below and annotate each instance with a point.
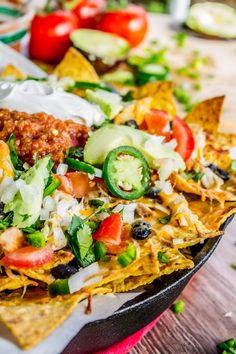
(159, 215)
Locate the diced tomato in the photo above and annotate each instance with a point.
(157, 122)
(110, 230)
(74, 183)
(184, 136)
(29, 257)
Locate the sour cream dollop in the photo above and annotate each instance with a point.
(33, 97)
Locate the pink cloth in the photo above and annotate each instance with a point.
(128, 343)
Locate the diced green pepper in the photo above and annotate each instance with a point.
(36, 239)
(59, 287)
(178, 307)
(99, 250)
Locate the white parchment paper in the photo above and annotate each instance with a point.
(103, 307)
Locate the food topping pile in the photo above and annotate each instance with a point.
(106, 207)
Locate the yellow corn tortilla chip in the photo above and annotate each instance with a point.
(161, 94)
(75, 66)
(11, 71)
(33, 318)
(154, 95)
(135, 110)
(136, 281)
(207, 114)
(17, 282)
(31, 321)
(182, 185)
(213, 214)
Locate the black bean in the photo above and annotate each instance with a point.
(153, 193)
(219, 172)
(63, 271)
(141, 230)
(132, 124)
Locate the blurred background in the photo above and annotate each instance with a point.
(158, 6)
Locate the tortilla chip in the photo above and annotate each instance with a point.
(213, 214)
(181, 184)
(12, 71)
(161, 94)
(207, 114)
(135, 110)
(75, 66)
(136, 281)
(154, 95)
(17, 282)
(31, 321)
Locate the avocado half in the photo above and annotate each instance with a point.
(213, 19)
(103, 50)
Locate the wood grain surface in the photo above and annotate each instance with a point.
(209, 296)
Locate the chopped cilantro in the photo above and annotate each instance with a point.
(129, 96)
(164, 220)
(163, 258)
(6, 221)
(96, 203)
(80, 240)
(178, 307)
(195, 176)
(75, 152)
(25, 216)
(93, 225)
(180, 38)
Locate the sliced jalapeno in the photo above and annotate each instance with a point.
(126, 173)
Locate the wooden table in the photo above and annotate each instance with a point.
(211, 294)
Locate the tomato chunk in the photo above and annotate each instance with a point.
(184, 136)
(74, 183)
(157, 122)
(110, 230)
(29, 257)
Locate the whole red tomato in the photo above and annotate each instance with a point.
(130, 23)
(88, 11)
(50, 35)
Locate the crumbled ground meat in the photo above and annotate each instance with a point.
(40, 134)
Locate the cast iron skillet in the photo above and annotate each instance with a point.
(140, 311)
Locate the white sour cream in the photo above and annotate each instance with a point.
(33, 97)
